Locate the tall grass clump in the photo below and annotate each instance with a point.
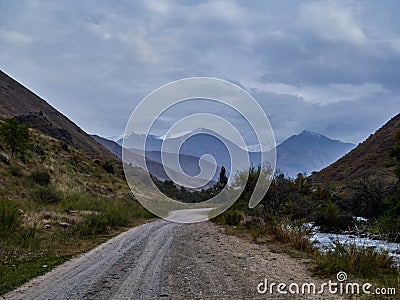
(292, 233)
(233, 217)
(363, 262)
(10, 217)
(47, 194)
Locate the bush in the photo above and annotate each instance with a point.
(16, 171)
(331, 219)
(39, 150)
(389, 227)
(41, 177)
(108, 167)
(10, 217)
(47, 195)
(233, 217)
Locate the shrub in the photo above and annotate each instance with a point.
(108, 167)
(389, 226)
(39, 150)
(41, 177)
(233, 217)
(64, 146)
(10, 217)
(330, 218)
(16, 171)
(47, 195)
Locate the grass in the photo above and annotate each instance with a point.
(283, 235)
(361, 262)
(56, 206)
(291, 233)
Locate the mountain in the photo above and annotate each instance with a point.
(370, 157)
(308, 152)
(190, 164)
(302, 153)
(193, 144)
(17, 101)
(111, 146)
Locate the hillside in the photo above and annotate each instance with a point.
(16, 100)
(371, 157)
(61, 196)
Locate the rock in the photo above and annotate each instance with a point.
(47, 226)
(46, 214)
(64, 224)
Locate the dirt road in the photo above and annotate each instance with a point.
(164, 260)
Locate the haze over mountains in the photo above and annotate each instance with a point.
(302, 153)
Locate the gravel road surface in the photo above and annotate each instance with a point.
(165, 260)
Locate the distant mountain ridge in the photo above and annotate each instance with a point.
(370, 157)
(302, 153)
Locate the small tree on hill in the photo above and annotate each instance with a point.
(15, 136)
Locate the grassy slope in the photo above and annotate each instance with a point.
(101, 205)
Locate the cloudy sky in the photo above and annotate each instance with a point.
(332, 67)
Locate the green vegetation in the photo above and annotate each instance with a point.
(15, 135)
(55, 203)
(290, 203)
(10, 217)
(233, 217)
(182, 194)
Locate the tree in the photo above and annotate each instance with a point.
(15, 135)
(222, 180)
(221, 183)
(368, 194)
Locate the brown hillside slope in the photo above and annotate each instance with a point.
(371, 157)
(16, 100)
